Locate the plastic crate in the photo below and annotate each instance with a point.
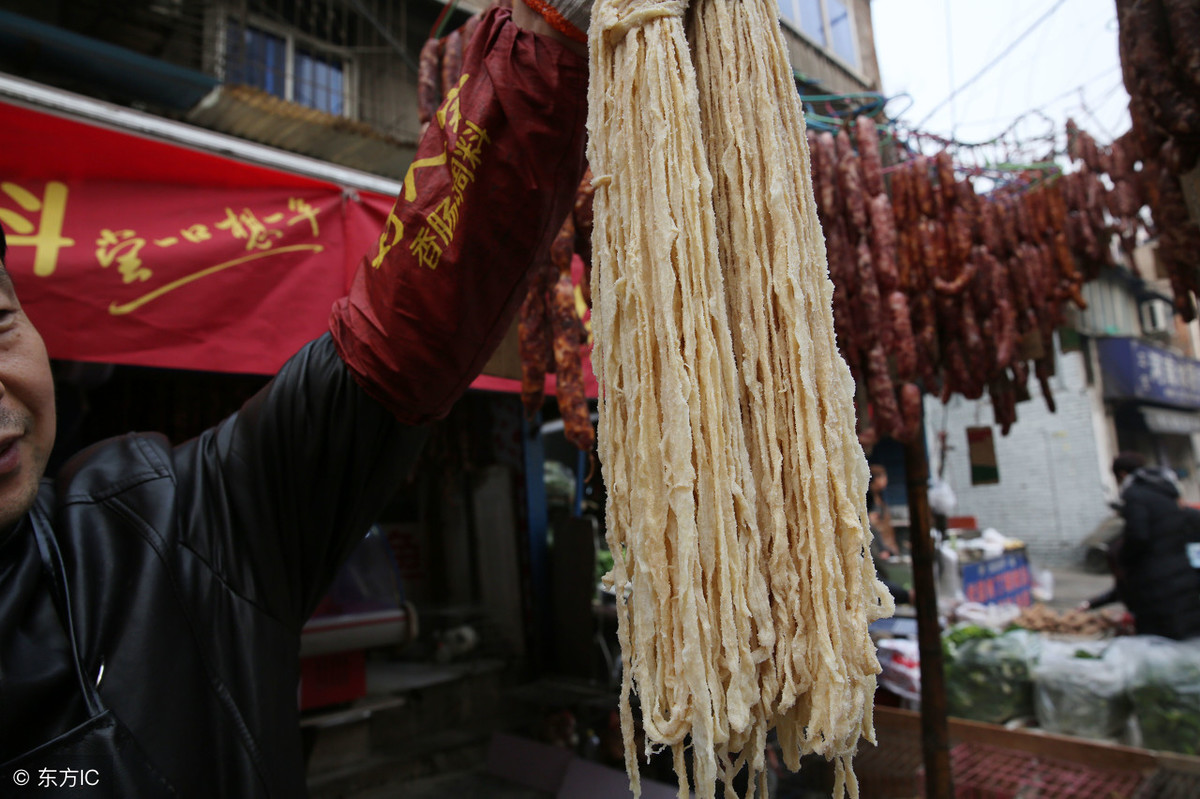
(984, 772)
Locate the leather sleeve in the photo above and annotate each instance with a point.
(276, 496)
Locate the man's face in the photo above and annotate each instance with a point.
(26, 407)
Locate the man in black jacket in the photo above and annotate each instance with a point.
(1156, 580)
(151, 597)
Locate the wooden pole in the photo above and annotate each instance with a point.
(935, 736)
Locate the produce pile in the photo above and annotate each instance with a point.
(1040, 618)
(988, 674)
(1164, 687)
(1141, 690)
(1080, 689)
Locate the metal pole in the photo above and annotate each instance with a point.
(935, 734)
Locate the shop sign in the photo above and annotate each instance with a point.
(1002, 580)
(1173, 422)
(1139, 371)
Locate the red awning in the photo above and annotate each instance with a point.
(131, 250)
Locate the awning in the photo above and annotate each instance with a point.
(130, 250)
(138, 240)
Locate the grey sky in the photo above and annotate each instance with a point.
(1068, 65)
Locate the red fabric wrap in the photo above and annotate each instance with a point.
(493, 178)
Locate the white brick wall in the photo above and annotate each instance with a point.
(1052, 490)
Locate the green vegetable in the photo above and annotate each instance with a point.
(988, 675)
(1080, 691)
(1166, 699)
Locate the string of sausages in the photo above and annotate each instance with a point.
(939, 285)
(1159, 43)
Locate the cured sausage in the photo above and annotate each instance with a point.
(582, 214)
(904, 346)
(910, 412)
(827, 160)
(882, 393)
(572, 401)
(922, 187)
(452, 61)
(883, 242)
(850, 187)
(867, 138)
(866, 302)
(429, 80)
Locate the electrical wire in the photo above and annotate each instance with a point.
(1003, 54)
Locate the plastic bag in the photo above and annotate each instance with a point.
(949, 580)
(1164, 689)
(941, 497)
(1080, 689)
(988, 676)
(900, 663)
(996, 617)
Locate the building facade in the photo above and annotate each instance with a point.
(1127, 379)
(331, 79)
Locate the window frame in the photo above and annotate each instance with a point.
(827, 31)
(230, 25)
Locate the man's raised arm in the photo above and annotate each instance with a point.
(492, 180)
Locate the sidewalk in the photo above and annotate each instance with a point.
(1073, 585)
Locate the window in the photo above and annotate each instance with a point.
(279, 64)
(807, 14)
(828, 23)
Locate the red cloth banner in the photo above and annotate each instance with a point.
(130, 250)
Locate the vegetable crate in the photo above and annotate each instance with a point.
(986, 772)
(990, 761)
(1169, 783)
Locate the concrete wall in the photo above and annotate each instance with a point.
(1052, 490)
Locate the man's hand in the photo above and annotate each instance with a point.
(572, 11)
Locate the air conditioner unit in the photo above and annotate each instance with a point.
(1157, 318)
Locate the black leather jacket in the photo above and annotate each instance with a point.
(179, 579)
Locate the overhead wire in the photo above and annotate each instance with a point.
(987, 68)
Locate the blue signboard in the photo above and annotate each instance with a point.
(1139, 371)
(1001, 580)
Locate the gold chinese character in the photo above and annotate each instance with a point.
(273, 218)
(169, 241)
(304, 211)
(469, 145)
(450, 108)
(122, 247)
(444, 219)
(426, 249)
(196, 233)
(246, 226)
(462, 175)
(45, 236)
(394, 226)
(410, 178)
